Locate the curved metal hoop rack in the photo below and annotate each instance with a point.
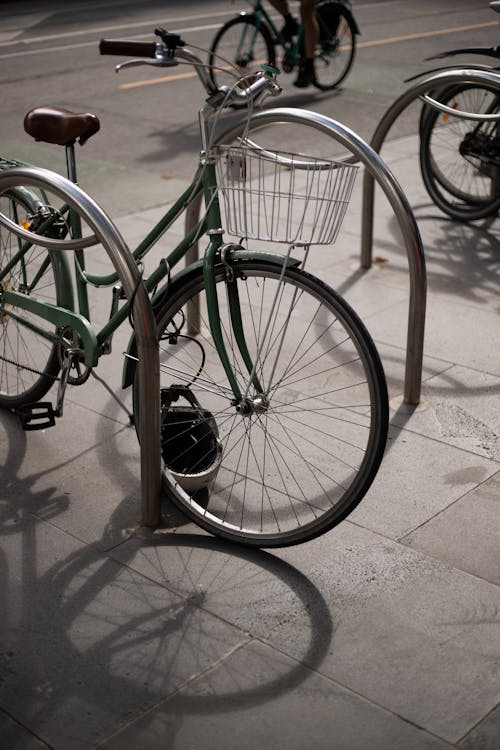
(105, 233)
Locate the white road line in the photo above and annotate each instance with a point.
(116, 27)
(94, 43)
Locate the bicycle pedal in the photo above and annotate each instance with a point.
(37, 416)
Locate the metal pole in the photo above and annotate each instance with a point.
(144, 321)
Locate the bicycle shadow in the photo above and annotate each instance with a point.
(94, 641)
(14, 503)
(462, 259)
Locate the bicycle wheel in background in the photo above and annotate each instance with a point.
(29, 362)
(460, 159)
(337, 44)
(306, 445)
(239, 48)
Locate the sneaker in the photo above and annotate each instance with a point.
(306, 75)
(290, 28)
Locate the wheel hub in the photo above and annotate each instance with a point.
(258, 404)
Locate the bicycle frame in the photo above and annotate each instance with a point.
(97, 343)
(263, 18)
(78, 317)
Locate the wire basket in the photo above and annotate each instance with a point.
(282, 197)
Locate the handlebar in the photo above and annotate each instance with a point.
(125, 48)
(171, 49)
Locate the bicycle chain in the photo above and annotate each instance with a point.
(28, 368)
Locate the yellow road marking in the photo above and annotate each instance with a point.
(153, 81)
(359, 45)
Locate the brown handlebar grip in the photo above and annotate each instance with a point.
(125, 48)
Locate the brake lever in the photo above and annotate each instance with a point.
(159, 62)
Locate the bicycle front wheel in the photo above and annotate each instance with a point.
(29, 361)
(337, 44)
(239, 48)
(301, 450)
(460, 159)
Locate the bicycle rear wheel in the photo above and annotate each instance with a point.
(337, 44)
(239, 48)
(460, 159)
(302, 450)
(29, 362)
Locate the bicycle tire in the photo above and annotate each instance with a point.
(29, 363)
(455, 155)
(239, 48)
(337, 46)
(454, 95)
(297, 468)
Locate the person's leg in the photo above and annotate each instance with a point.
(291, 26)
(281, 6)
(306, 74)
(310, 25)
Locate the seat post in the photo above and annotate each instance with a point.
(76, 231)
(71, 162)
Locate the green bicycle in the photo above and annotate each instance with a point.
(250, 39)
(274, 407)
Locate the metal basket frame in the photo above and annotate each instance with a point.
(281, 196)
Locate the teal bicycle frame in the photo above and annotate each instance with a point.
(77, 318)
(292, 48)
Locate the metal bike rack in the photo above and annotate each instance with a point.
(431, 82)
(145, 326)
(377, 170)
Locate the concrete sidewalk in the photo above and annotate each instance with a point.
(382, 634)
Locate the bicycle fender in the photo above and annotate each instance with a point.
(484, 51)
(347, 13)
(454, 66)
(176, 283)
(60, 260)
(23, 193)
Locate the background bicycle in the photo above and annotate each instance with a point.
(273, 399)
(460, 158)
(250, 39)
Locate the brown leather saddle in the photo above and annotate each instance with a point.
(57, 125)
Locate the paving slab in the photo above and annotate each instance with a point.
(466, 535)
(409, 631)
(17, 737)
(418, 478)
(459, 408)
(261, 698)
(485, 735)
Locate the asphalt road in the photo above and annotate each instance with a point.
(149, 135)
